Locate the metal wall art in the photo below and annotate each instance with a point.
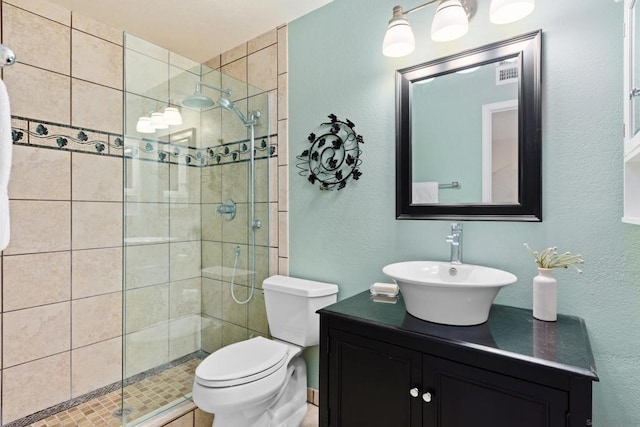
(334, 155)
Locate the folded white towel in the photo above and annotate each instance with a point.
(384, 299)
(385, 289)
(425, 192)
(6, 146)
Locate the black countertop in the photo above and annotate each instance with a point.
(510, 331)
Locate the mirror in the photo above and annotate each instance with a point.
(468, 143)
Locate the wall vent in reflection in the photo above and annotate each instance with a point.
(506, 72)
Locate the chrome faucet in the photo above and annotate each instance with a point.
(456, 243)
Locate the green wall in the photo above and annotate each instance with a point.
(336, 66)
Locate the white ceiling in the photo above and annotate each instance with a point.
(196, 29)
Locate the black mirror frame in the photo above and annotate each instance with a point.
(528, 48)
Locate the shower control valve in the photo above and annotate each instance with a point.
(227, 209)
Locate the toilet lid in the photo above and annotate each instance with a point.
(242, 362)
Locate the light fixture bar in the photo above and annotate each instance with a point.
(449, 22)
(418, 7)
(470, 7)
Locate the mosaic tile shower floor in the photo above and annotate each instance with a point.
(142, 398)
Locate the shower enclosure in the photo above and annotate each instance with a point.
(196, 221)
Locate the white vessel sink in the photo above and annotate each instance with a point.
(434, 292)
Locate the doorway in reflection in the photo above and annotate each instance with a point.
(500, 152)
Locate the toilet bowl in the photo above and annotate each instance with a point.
(262, 382)
(241, 381)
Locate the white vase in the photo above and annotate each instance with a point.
(545, 296)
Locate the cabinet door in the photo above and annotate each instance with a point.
(370, 383)
(463, 396)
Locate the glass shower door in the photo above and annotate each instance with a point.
(182, 253)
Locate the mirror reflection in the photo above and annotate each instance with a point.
(470, 156)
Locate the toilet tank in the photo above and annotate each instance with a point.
(291, 305)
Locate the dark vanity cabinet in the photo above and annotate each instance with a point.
(380, 366)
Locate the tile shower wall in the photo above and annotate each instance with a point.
(62, 272)
(259, 63)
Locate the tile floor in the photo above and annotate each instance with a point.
(144, 397)
(149, 395)
(311, 420)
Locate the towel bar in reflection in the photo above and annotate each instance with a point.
(454, 184)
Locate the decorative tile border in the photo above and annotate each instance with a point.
(45, 134)
(53, 135)
(200, 157)
(236, 152)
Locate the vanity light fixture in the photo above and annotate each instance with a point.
(159, 120)
(172, 116)
(144, 125)
(450, 22)
(398, 40)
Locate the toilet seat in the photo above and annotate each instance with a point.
(242, 363)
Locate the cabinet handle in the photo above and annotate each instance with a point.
(427, 397)
(634, 92)
(414, 392)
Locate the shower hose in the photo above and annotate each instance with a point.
(233, 276)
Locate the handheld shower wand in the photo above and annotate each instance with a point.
(227, 104)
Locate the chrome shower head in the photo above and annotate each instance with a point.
(198, 100)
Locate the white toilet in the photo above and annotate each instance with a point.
(262, 382)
